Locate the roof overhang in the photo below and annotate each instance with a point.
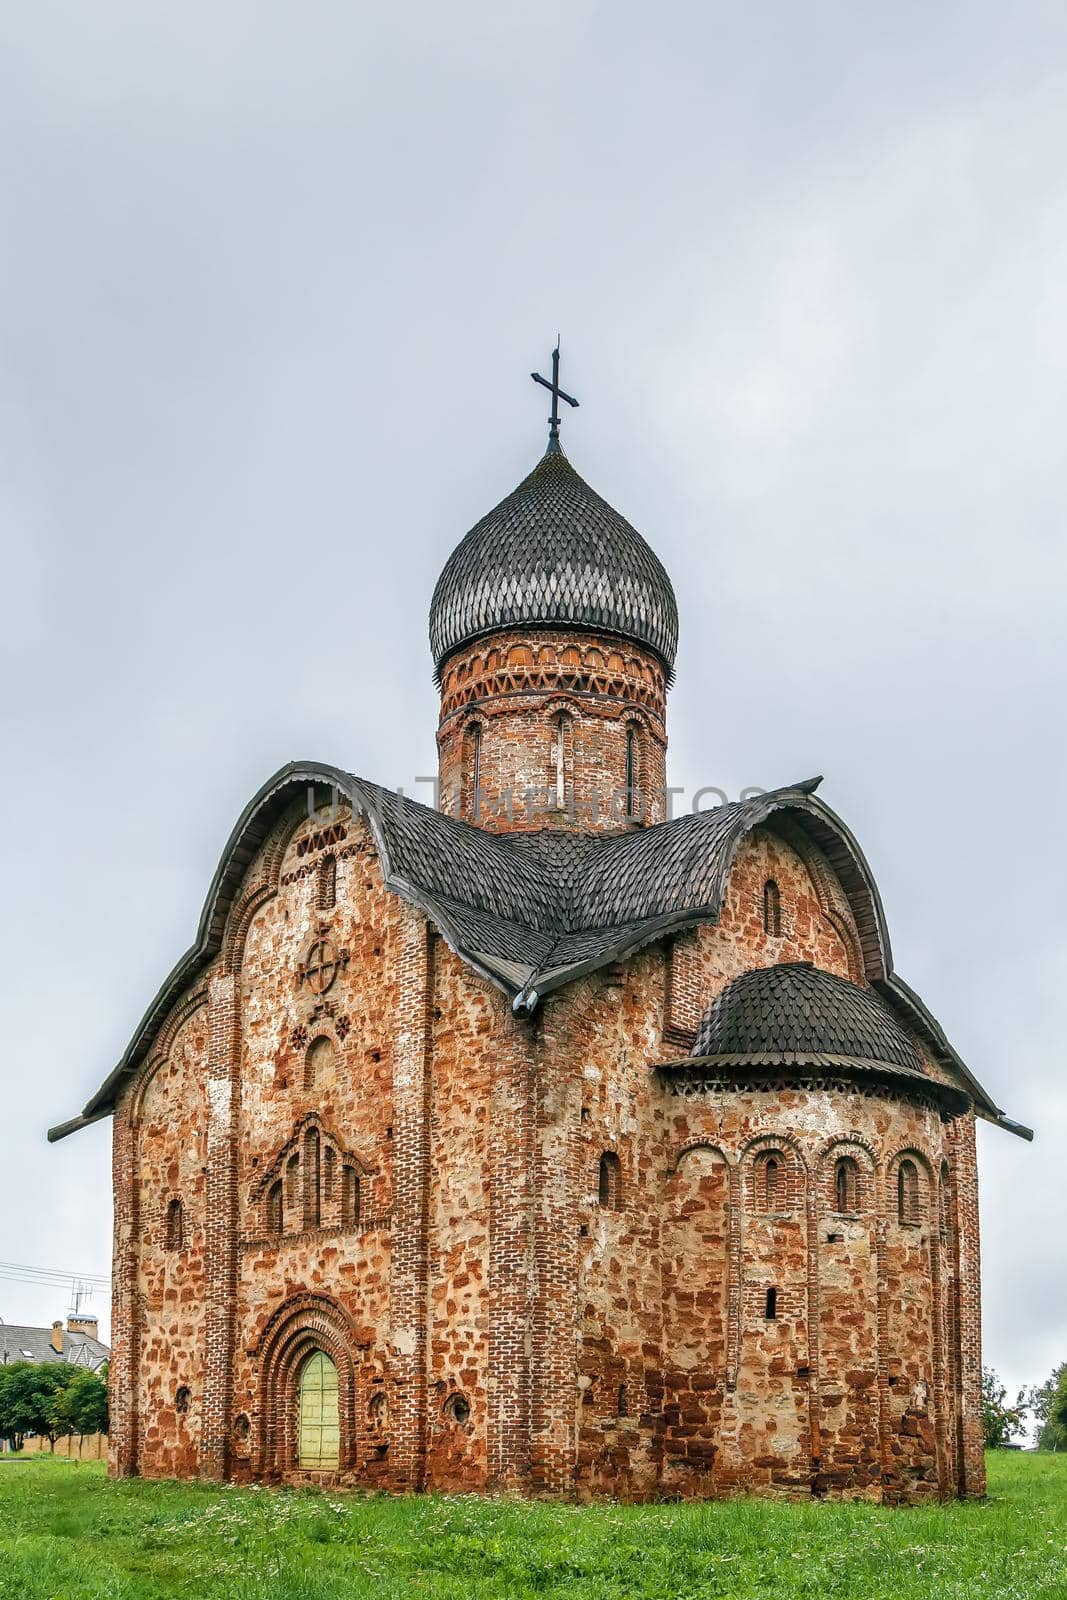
(789, 809)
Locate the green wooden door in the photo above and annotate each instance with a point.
(319, 1421)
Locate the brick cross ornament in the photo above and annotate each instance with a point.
(321, 966)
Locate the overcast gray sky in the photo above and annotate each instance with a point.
(272, 280)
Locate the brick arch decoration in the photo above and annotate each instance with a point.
(240, 922)
(926, 1167)
(636, 723)
(562, 706)
(160, 1055)
(704, 1146)
(297, 1329)
(275, 1167)
(256, 895)
(793, 1177)
(864, 1154)
(524, 666)
(920, 1154)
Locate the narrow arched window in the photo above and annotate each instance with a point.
(349, 1197)
(310, 1165)
(327, 882)
(631, 770)
(772, 909)
(560, 757)
(908, 1193)
(174, 1232)
(769, 1189)
(474, 769)
(846, 1185)
(944, 1210)
(275, 1207)
(609, 1189)
(770, 1305)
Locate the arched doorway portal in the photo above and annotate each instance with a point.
(319, 1433)
(308, 1389)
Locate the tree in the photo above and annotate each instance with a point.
(81, 1405)
(1000, 1422)
(1059, 1404)
(9, 1429)
(1049, 1406)
(27, 1393)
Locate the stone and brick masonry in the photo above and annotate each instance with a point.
(542, 1256)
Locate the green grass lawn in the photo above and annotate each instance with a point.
(67, 1533)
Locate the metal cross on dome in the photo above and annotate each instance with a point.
(557, 393)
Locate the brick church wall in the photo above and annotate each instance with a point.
(506, 1314)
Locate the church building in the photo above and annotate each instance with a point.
(543, 1141)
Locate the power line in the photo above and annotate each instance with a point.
(20, 1272)
(57, 1272)
(48, 1283)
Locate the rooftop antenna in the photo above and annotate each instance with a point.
(80, 1292)
(557, 393)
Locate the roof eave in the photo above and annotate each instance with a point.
(922, 1018)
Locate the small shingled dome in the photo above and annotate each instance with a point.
(554, 554)
(798, 1009)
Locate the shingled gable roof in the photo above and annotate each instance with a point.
(533, 911)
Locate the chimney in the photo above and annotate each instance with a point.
(57, 1338)
(89, 1325)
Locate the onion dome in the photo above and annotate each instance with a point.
(554, 554)
(797, 1009)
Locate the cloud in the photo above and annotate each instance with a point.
(271, 290)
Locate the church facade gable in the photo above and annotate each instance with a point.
(779, 906)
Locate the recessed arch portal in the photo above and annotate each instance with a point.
(307, 1409)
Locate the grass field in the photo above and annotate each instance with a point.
(67, 1533)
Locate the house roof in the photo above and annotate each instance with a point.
(19, 1343)
(533, 911)
(554, 553)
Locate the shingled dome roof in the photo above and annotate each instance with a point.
(797, 1009)
(554, 553)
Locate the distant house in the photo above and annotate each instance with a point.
(77, 1344)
